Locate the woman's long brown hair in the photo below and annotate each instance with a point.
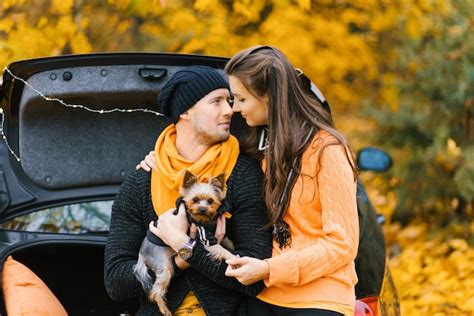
(292, 114)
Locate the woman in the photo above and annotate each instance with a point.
(310, 191)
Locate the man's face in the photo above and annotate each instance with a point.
(211, 116)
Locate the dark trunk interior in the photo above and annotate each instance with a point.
(75, 274)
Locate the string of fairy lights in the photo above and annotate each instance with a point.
(62, 102)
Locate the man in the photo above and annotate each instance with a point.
(196, 99)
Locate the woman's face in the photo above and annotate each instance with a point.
(254, 110)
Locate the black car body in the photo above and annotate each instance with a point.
(55, 202)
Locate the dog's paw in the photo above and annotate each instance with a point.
(214, 257)
(157, 295)
(219, 253)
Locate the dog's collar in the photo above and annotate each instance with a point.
(155, 239)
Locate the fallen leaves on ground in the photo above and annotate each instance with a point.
(433, 272)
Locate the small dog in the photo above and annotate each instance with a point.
(202, 201)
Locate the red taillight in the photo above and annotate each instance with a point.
(366, 306)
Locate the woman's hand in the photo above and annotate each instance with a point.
(247, 270)
(148, 163)
(172, 229)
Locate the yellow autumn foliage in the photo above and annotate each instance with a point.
(340, 44)
(347, 47)
(434, 273)
(432, 267)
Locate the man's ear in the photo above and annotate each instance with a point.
(189, 179)
(185, 116)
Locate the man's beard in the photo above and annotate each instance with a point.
(207, 138)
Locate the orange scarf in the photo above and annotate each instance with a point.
(165, 182)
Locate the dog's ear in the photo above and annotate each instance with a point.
(189, 179)
(219, 181)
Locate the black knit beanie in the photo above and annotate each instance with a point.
(186, 87)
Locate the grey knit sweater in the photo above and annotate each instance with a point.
(218, 294)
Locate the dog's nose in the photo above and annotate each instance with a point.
(202, 210)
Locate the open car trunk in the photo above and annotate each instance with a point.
(75, 274)
(68, 152)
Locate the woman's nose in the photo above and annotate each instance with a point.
(235, 107)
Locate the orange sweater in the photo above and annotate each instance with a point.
(318, 268)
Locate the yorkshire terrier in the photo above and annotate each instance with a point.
(202, 201)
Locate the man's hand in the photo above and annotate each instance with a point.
(183, 265)
(172, 229)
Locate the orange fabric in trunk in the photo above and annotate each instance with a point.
(26, 294)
